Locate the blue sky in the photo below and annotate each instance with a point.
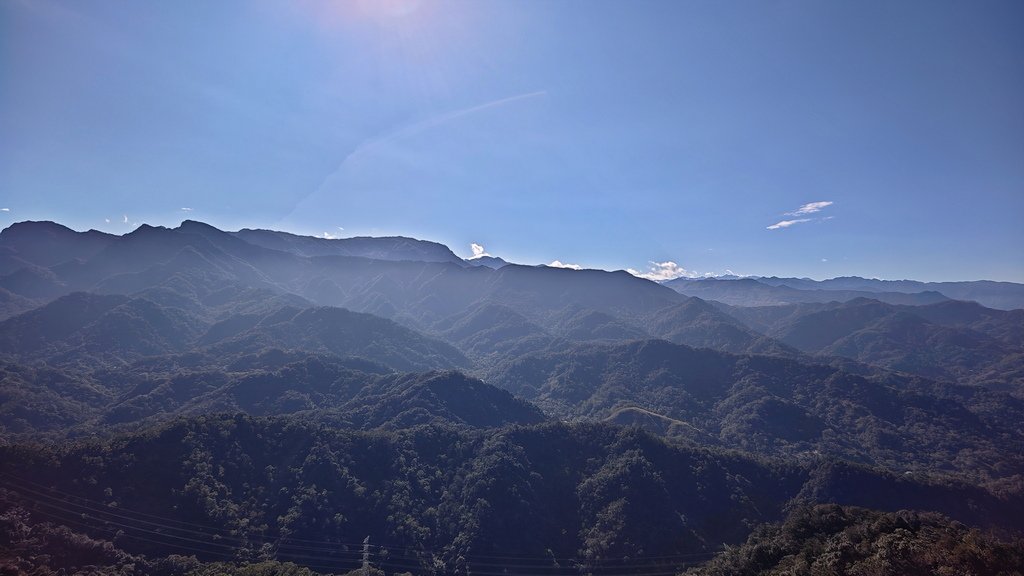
(605, 134)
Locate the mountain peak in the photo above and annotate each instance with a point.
(488, 261)
(187, 225)
(48, 243)
(36, 227)
(147, 229)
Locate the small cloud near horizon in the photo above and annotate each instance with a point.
(662, 271)
(5, 209)
(560, 264)
(478, 251)
(186, 209)
(326, 236)
(125, 219)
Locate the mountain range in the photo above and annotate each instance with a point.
(772, 291)
(259, 398)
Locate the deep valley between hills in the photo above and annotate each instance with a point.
(195, 401)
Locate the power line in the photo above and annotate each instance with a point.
(417, 559)
(121, 512)
(101, 507)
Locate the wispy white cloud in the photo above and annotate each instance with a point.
(810, 208)
(449, 116)
(478, 251)
(340, 228)
(107, 220)
(372, 144)
(186, 209)
(5, 209)
(326, 236)
(661, 271)
(560, 264)
(806, 209)
(787, 223)
(125, 219)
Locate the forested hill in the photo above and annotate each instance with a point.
(842, 540)
(779, 406)
(604, 498)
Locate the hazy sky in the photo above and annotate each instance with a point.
(607, 134)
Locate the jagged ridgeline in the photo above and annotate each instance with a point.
(195, 401)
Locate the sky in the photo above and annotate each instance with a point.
(792, 138)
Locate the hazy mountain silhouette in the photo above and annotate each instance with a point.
(344, 333)
(957, 341)
(774, 405)
(96, 329)
(1001, 295)
(755, 292)
(697, 323)
(387, 248)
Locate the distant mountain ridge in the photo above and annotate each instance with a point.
(491, 315)
(993, 294)
(379, 248)
(952, 340)
(31, 253)
(753, 292)
(382, 280)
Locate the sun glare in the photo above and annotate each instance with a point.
(389, 8)
(334, 12)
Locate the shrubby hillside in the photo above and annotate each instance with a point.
(436, 497)
(779, 406)
(830, 539)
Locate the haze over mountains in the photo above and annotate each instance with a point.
(291, 395)
(754, 291)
